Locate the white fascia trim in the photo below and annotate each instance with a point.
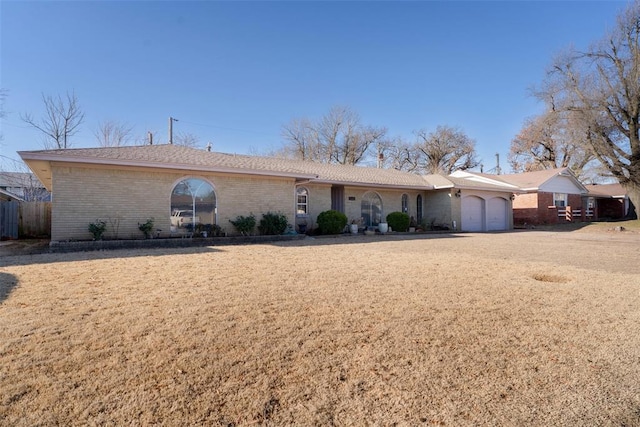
(515, 190)
(473, 177)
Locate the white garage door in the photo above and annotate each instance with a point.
(472, 218)
(497, 213)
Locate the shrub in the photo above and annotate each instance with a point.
(97, 229)
(398, 221)
(331, 222)
(146, 228)
(212, 230)
(244, 224)
(273, 224)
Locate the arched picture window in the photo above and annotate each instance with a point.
(405, 203)
(371, 209)
(419, 209)
(193, 201)
(302, 201)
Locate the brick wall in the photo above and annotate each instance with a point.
(441, 208)
(320, 200)
(525, 209)
(130, 196)
(538, 208)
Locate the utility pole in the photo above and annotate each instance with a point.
(171, 120)
(498, 164)
(380, 157)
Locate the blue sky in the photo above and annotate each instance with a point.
(233, 73)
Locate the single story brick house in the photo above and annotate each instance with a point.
(548, 196)
(177, 186)
(609, 201)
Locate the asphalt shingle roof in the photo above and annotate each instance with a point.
(180, 157)
(606, 190)
(527, 179)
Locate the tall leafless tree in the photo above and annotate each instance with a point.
(338, 137)
(602, 86)
(554, 139)
(63, 117)
(113, 134)
(186, 139)
(445, 150)
(400, 155)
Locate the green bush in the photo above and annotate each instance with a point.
(244, 224)
(146, 228)
(331, 222)
(273, 224)
(398, 221)
(97, 229)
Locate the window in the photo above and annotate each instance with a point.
(560, 200)
(193, 202)
(302, 201)
(405, 203)
(419, 209)
(371, 209)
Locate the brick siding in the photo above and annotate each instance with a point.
(131, 196)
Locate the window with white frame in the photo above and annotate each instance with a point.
(560, 200)
(302, 201)
(371, 209)
(405, 203)
(193, 204)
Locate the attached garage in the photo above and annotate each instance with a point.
(472, 214)
(497, 209)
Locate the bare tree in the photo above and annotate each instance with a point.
(62, 119)
(445, 150)
(303, 141)
(338, 137)
(400, 155)
(602, 86)
(186, 139)
(113, 134)
(554, 139)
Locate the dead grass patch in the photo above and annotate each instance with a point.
(446, 330)
(549, 278)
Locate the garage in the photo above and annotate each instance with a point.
(472, 214)
(497, 208)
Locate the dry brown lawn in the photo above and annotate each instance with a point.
(524, 328)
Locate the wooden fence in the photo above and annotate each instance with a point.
(34, 219)
(8, 220)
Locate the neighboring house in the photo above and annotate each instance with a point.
(608, 201)
(7, 196)
(545, 197)
(24, 186)
(125, 186)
